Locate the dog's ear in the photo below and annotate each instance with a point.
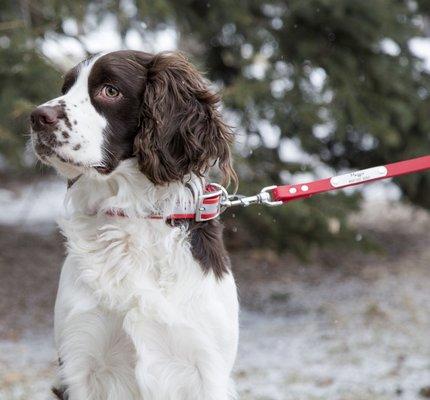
(181, 130)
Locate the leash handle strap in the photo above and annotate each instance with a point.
(302, 190)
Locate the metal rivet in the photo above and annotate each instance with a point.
(293, 190)
(305, 188)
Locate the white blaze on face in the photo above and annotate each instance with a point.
(80, 130)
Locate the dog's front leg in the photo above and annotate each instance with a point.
(97, 356)
(176, 361)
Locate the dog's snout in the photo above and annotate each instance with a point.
(44, 118)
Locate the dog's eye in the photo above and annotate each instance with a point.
(110, 91)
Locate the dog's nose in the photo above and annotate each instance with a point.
(44, 118)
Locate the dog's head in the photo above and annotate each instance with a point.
(157, 108)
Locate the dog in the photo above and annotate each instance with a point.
(147, 304)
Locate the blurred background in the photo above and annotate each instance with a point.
(334, 289)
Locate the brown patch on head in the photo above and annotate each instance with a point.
(166, 115)
(76, 147)
(181, 129)
(65, 135)
(70, 79)
(127, 72)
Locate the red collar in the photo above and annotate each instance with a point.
(206, 205)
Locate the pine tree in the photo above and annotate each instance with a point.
(333, 78)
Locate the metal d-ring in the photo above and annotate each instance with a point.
(268, 198)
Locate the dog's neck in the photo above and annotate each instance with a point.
(128, 190)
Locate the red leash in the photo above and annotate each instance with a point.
(295, 192)
(277, 195)
(210, 200)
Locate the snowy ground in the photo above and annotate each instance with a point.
(351, 327)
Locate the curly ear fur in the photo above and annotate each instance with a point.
(181, 129)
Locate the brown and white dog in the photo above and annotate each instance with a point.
(146, 309)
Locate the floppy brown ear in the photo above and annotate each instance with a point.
(181, 129)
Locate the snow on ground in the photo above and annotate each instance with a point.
(359, 330)
(35, 204)
(349, 341)
(27, 367)
(352, 327)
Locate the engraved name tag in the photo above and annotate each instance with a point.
(358, 176)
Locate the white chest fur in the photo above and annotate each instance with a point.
(136, 317)
(125, 261)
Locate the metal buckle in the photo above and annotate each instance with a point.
(263, 197)
(214, 209)
(268, 199)
(228, 200)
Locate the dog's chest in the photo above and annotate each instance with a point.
(123, 261)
